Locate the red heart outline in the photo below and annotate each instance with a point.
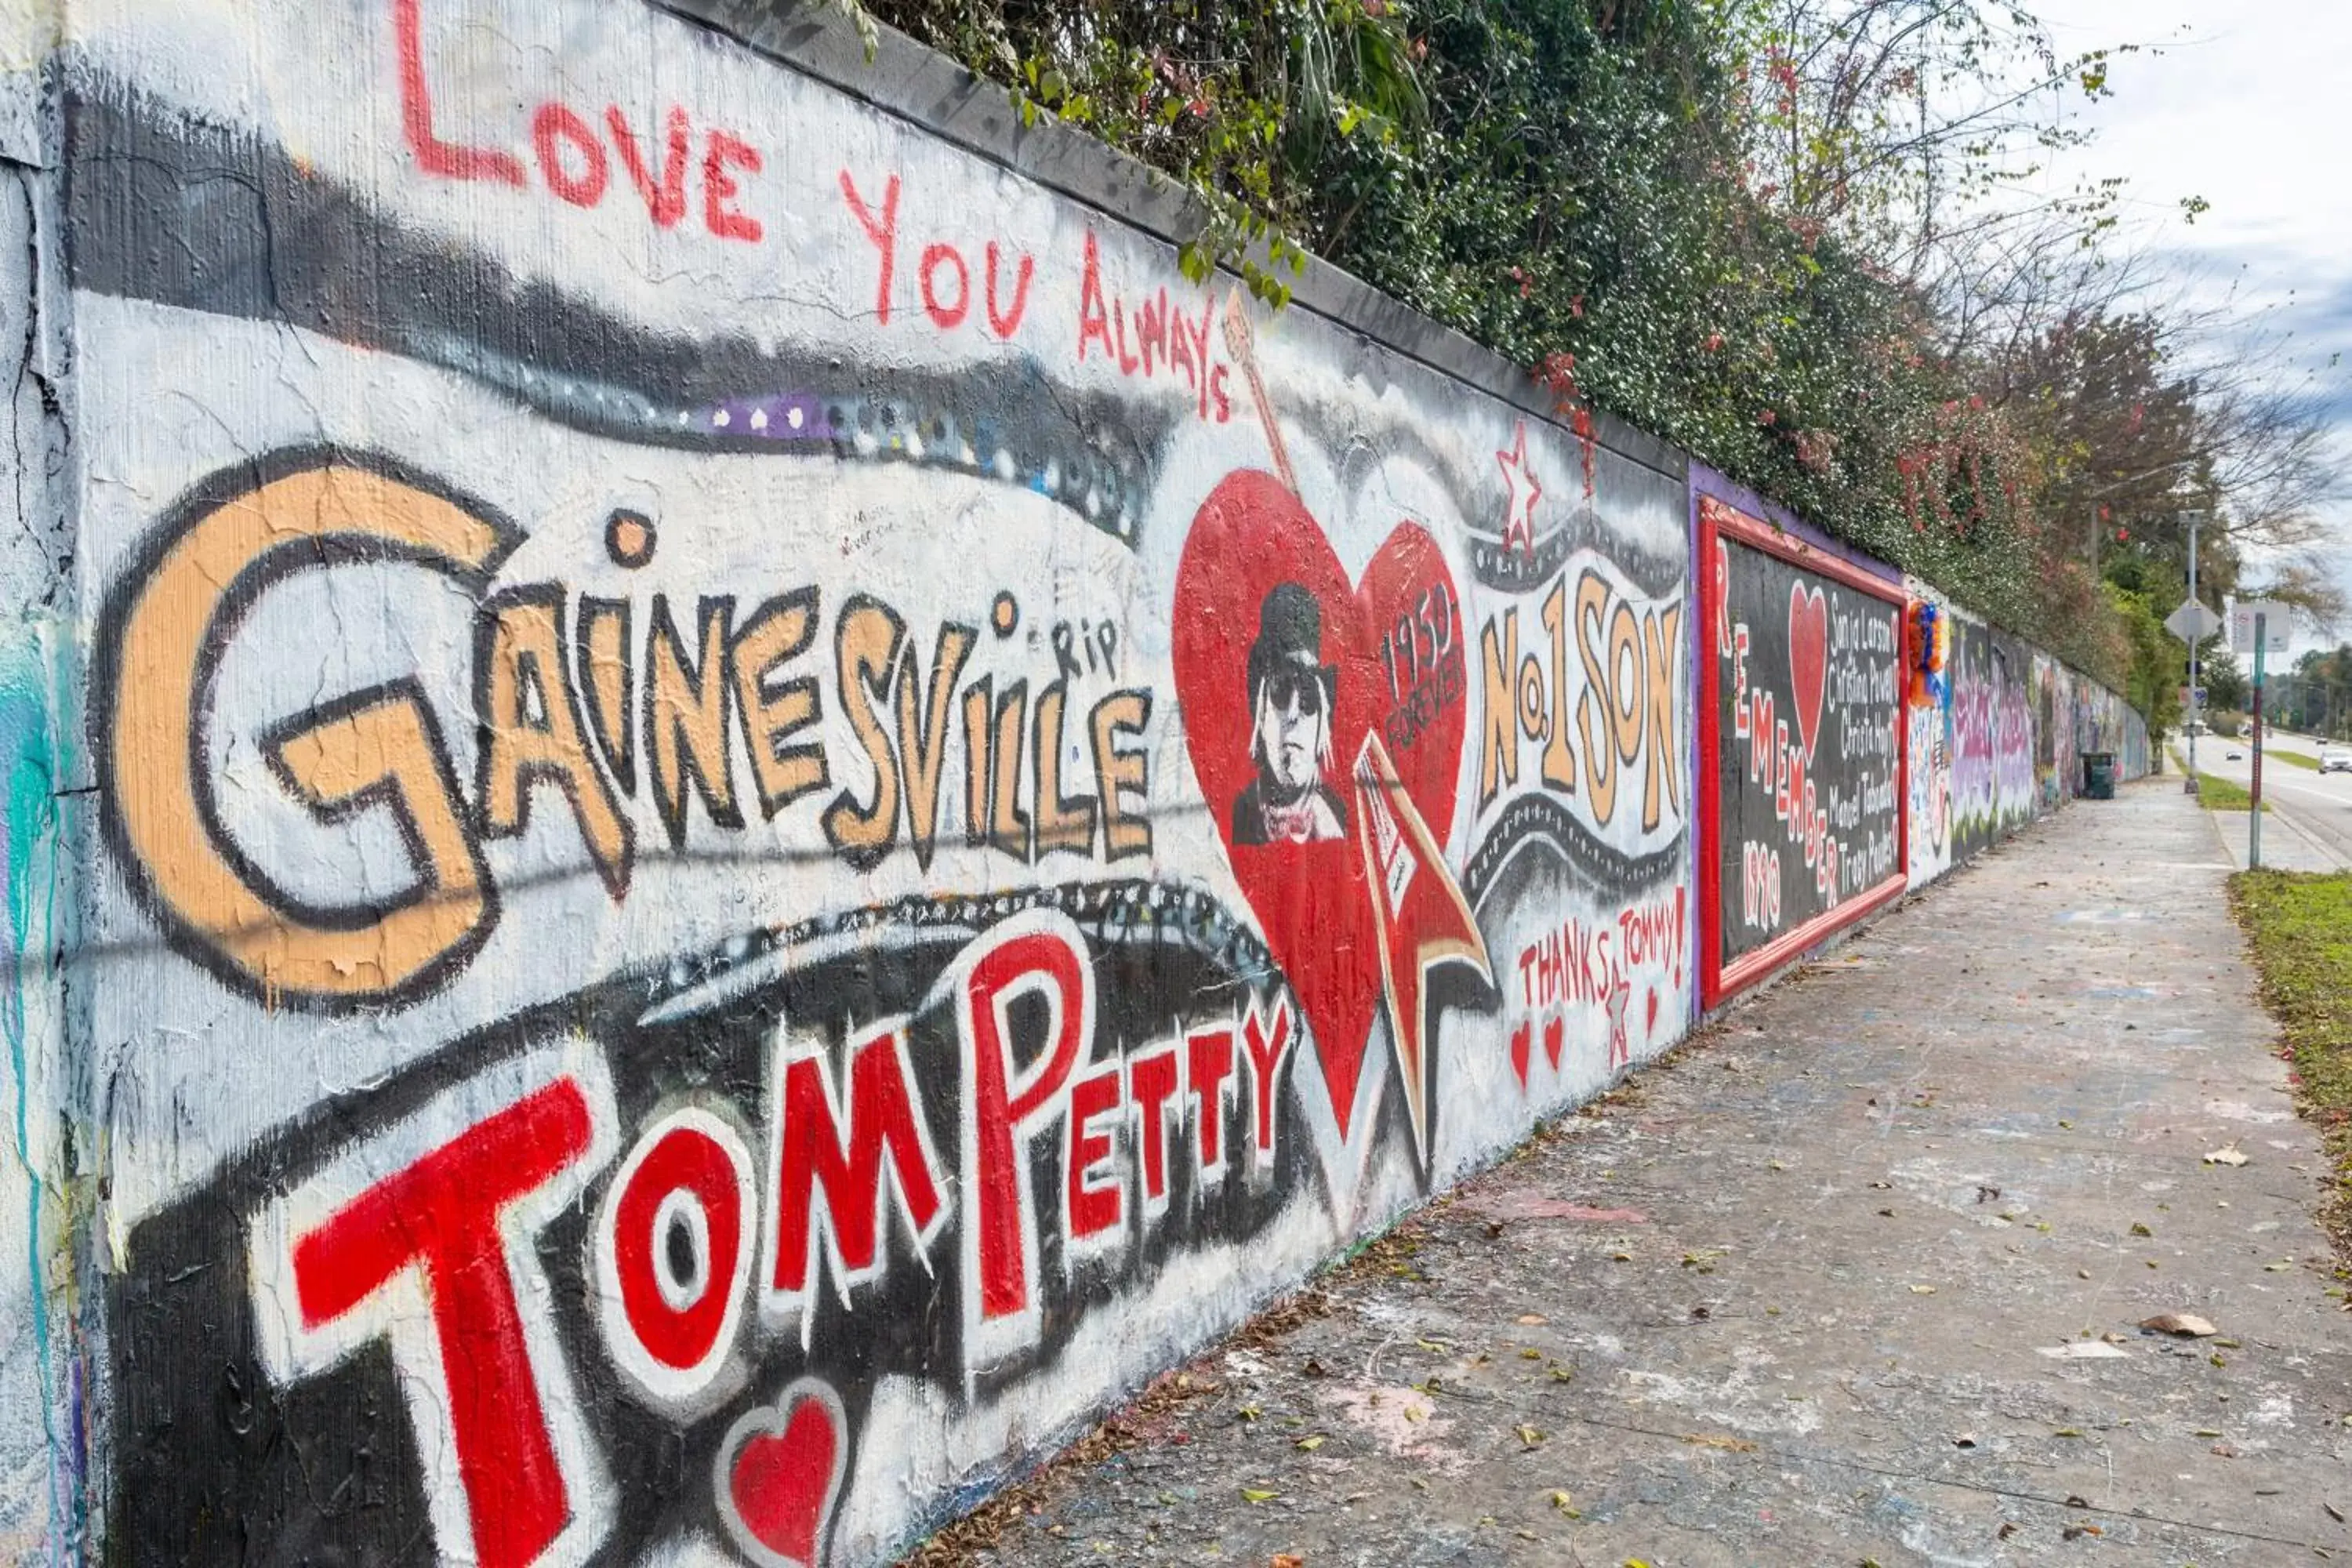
(1312, 899)
(1809, 660)
(778, 1475)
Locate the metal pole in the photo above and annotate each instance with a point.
(2254, 811)
(2191, 782)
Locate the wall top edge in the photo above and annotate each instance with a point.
(1707, 481)
(918, 84)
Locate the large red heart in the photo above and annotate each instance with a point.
(1809, 659)
(779, 1474)
(1398, 632)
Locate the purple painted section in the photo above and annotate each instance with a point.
(1705, 480)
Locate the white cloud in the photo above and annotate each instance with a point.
(2248, 105)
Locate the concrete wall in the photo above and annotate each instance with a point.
(718, 811)
(2002, 741)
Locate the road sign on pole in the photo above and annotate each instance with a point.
(2192, 623)
(2265, 619)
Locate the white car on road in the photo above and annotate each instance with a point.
(2336, 759)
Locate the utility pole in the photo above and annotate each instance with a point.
(2190, 783)
(2254, 811)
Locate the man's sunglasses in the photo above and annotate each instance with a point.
(1299, 688)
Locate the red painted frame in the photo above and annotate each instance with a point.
(1718, 980)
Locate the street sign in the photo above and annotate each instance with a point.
(2278, 625)
(2192, 623)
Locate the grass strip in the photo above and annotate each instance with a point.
(2292, 759)
(2299, 926)
(2220, 795)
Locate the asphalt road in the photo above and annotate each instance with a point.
(2318, 803)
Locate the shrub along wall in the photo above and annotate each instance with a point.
(719, 811)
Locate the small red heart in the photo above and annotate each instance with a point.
(1809, 659)
(780, 1473)
(1555, 1040)
(1521, 1037)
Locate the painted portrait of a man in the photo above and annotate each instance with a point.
(1291, 694)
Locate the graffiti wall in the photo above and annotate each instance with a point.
(45, 1137)
(2000, 741)
(718, 811)
(1802, 743)
(1927, 753)
(1993, 735)
(773, 813)
(2101, 722)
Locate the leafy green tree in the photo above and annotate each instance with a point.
(2157, 664)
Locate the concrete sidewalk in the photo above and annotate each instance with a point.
(2287, 844)
(1791, 1297)
(2289, 841)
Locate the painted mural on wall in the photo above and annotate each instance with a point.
(2005, 746)
(2100, 720)
(1992, 734)
(1803, 756)
(774, 814)
(1928, 748)
(43, 1402)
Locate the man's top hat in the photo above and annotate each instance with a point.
(1289, 637)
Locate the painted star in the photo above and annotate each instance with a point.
(1519, 518)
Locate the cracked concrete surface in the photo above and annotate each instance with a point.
(1792, 1297)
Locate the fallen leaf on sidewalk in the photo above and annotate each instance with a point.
(2333, 1512)
(2185, 1324)
(1923, 1290)
(2228, 1154)
(1252, 1494)
(1288, 1560)
(1530, 1436)
(1309, 1443)
(1565, 1503)
(1532, 1319)
(1722, 1440)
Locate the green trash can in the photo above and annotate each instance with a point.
(2098, 775)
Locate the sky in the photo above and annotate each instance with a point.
(2248, 105)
